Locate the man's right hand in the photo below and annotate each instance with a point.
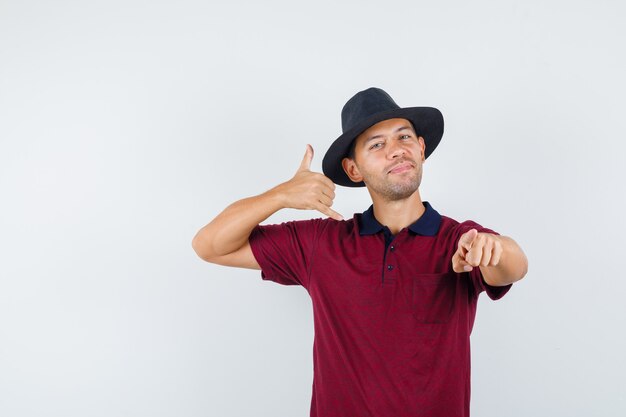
(309, 190)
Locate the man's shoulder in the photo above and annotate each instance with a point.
(326, 221)
(319, 224)
(450, 225)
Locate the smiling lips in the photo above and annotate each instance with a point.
(405, 166)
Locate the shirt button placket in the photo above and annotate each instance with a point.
(390, 264)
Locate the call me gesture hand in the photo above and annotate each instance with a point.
(476, 249)
(309, 190)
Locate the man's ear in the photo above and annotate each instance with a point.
(351, 170)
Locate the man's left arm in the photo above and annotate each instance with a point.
(500, 258)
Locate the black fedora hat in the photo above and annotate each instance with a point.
(366, 108)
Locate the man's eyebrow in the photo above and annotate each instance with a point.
(380, 136)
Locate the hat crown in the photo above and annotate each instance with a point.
(363, 105)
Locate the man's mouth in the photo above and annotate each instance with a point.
(404, 166)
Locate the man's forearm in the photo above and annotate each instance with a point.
(230, 230)
(512, 266)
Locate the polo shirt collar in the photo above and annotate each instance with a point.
(426, 225)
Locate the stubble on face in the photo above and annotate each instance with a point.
(394, 187)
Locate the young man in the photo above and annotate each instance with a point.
(394, 289)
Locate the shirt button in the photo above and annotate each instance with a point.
(390, 267)
(392, 248)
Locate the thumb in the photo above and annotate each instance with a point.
(306, 161)
(459, 264)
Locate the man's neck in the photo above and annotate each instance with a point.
(397, 215)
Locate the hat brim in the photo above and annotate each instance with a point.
(428, 122)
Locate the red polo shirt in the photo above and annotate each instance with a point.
(392, 319)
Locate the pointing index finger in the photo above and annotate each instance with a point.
(467, 238)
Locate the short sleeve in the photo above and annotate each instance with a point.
(475, 275)
(284, 251)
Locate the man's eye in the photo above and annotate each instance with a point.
(374, 145)
(405, 136)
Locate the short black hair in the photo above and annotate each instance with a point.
(353, 144)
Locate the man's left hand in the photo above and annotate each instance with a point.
(476, 249)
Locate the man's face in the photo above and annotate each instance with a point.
(388, 157)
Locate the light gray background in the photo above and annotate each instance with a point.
(126, 126)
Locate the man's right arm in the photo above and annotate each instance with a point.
(224, 240)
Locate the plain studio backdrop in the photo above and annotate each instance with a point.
(126, 126)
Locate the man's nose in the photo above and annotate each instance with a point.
(395, 149)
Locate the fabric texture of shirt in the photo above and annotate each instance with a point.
(392, 320)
